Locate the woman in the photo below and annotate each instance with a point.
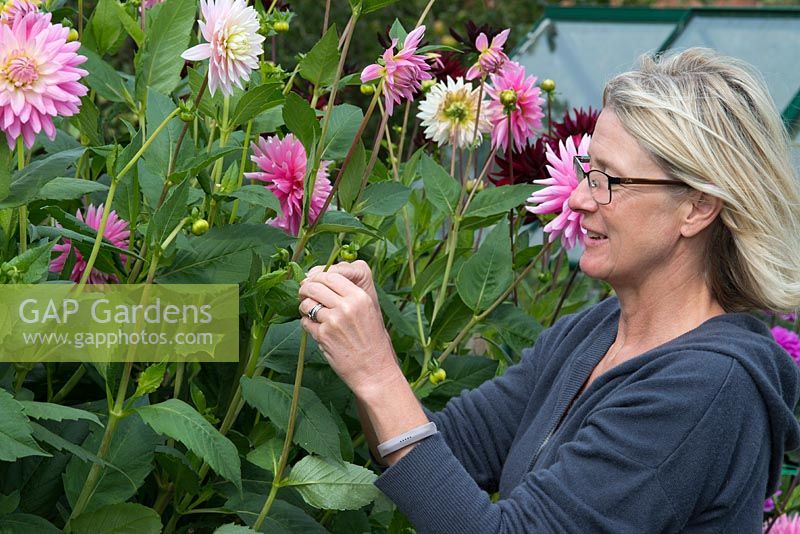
(663, 409)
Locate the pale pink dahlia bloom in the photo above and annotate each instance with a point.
(555, 197)
(231, 29)
(283, 166)
(116, 232)
(515, 95)
(150, 3)
(788, 340)
(491, 58)
(14, 9)
(402, 73)
(38, 77)
(786, 524)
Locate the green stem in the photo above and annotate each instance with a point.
(109, 199)
(242, 163)
(287, 442)
(23, 210)
(425, 12)
(70, 384)
(216, 173)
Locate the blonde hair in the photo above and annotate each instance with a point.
(709, 121)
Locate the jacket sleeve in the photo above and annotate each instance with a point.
(479, 425)
(609, 478)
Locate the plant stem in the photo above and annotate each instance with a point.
(23, 210)
(109, 199)
(69, 385)
(287, 442)
(242, 163)
(216, 172)
(327, 15)
(425, 12)
(564, 295)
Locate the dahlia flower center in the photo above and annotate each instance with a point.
(237, 43)
(456, 111)
(20, 70)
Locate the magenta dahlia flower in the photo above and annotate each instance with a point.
(38, 77)
(231, 29)
(788, 340)
(786, 524)
(491, 58)
(14, 9)
(402, 73)
(555, 197)
(517, 96)
(116, 232)
(283, 166)
(769, 504)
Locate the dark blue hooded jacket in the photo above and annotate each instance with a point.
(687, 437)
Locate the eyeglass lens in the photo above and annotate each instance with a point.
(598, 183)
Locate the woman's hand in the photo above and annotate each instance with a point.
(349, 328)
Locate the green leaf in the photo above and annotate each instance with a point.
(178, 420)
(122, 518)
(374, 5)
(301, 120)
(168, 215)
(103, 78)
(9, 503)
(341, 221)
(267, 455)
(397, 31)
(15, 431)
(384, 198)
(488, 273)
(60, 444)
(431, 276)
(454, 316)
(496, 200)
(150, 379)
(26, 523)
(160, 152)
(283, 518)
(350, 183)
(5, 171)
(33, 263)
(88, 121)
(320, 63)
(465, 372)
(223, 255)
(283, 298)
(258, 195)
(315, 429)
(105, 32)
(441, 188)
(159, 62)
(68, 188)
(56, 412)
(410, 168)
(27, 183)
(193, 167)
(330, 486)
(256, 101)
(233, 528)
(130, 455)
(342, 129)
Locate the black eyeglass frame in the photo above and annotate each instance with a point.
(578, 162)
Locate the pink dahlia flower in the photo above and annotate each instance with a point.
(769, 504)
(402, 73)
(786, 524)
(555, 197)
(788, 340)
(14, 9)
(231, 29)
(116, 232)
(283, 166)
(491, 58)
(38, 77)
(517, 96)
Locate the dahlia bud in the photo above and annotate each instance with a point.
(508, 98)
(281, 26)
(200, 227)
(367, 89)
(548, 85)
(473, 184)
(73, 35)
(427, 85)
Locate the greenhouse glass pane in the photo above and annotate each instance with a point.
(771, 44)
(581, 56)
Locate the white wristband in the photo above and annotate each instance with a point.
(407, 438)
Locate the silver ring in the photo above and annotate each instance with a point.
(312, 313)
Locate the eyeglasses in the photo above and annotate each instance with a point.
(600, 183)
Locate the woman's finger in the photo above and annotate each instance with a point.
(320, 292)
(335, 281)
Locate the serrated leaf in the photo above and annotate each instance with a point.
(68, 188)
(256, 101)
(410, 168)
(258, 195)
(122, 518)
(178, 420)
(319, 65)
(33, 263)
(384, 198)
(168, 215)
(350, 183)
(315, 430)
(488, 273)
(61, 444)
(466, 372)
(326, 485)
(283, 517)
(301, 120)
(496, 200)
(159, 62)
(26, 523)
(369, 6)
(103, 78)
(342, 129)
(341, 221)
(440, 188)
(27, 183)
(192, 167)
(150, 379)
(88, 121)
(267, 455)
(56, 412)
(105, 32)
(15, 431)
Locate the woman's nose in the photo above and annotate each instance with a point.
(581, 198)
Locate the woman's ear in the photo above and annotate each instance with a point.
(702, 210)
